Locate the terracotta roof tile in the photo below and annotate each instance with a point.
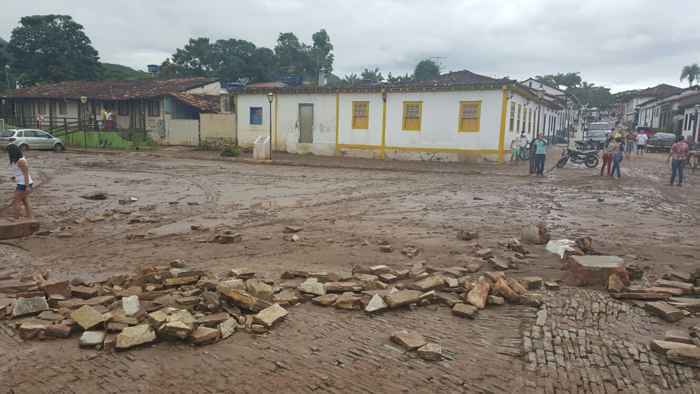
(111, 90)
(205, 103)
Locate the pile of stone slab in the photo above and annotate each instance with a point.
(680, 346)
(671, 298)
(176, 302)
(156, 304)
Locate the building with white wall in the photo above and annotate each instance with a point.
(458, 117)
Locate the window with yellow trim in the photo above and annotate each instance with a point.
(469, 116)
(360, 115)
(512, 117)
(520, 112)
(412, 114)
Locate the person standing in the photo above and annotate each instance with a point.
(630, 142)
(18, 163)
(607, 157)
(618, 155)
(531, 156)
(514, 150)
(678, 157)
(540, 153)
(641, 143)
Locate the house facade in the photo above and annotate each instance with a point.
(170, 111)
(675, 114)
(461, 116)
(631, 102)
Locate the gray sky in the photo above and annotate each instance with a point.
(618, 43)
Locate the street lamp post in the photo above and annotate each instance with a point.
(270, 97)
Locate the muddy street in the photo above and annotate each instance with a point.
(165, 206)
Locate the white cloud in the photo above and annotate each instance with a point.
(623, 43)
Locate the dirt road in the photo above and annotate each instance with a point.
(589, 344)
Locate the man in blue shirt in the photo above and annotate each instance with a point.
(540, 154)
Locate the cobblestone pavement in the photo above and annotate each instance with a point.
(584, 341)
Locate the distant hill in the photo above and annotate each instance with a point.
(110, 71)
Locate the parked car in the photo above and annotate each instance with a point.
(31, 139)
(661, 142)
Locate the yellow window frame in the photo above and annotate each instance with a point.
(469, 125)
(360, 122)
(413, 123)
(512, 117)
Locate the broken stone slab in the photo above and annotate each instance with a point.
(228, 328)
(244, 300)
(117, 327)
(464, 310)
(213, 320)
(32, 329)
(325, 300)
(500, 264)
(388, 278)
(430, 352)
(131, 305)
(429, 283)
(689, 304)
(641, 296)
(74, 303)
(181, 281)
(92, 339)
(50, 316)
(495, 300)
(686, 288)
(205, 336)
(135, 336)
(551, 285)
(59, 331)
(342, 287)
(176, 329)
(18, 229)
(286, 297)
(679, 336)
(685, 356)
(231, 284)
(29, 306)
(408, 340)
(532, 282)
(402, 298)
(87, 317)
(15, 286)
(376, 304)
(535, 234)
(665, 311)
(679, 275)
(57, 288)
(478, 295)
(312, 286)
(594, 270)
(451, 283)
(259, 289)
(484, 253)
(494, 276)
(271, 315)
(348, 301)
(664, 347)
(615, 284)
(84, 292)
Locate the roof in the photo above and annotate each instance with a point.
(451, 81)
(204, 103)
(683, 94)
(267, 85)
(111, 90)
(663, 90)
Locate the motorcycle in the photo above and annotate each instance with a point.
(588, 158)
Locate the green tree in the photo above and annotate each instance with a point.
(52, 48)
(372, 75)
(570, 80)
(593, 96)
(168, 70)
(321, 55)
(351, 79)
(196, 58)
(109, 71)
(691, 73)
(426, 70)
(291, 54)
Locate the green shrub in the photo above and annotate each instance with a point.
(231, 151)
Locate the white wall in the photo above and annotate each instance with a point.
(181, 132)
(210, 89)
(286, 136)
(440, 121)
(373, 134)
(247, 133)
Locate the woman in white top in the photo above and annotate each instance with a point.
(19, 165)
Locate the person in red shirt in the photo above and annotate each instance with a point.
(678, 157)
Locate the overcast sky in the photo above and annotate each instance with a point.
(618, 43)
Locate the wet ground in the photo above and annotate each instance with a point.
(346, 208)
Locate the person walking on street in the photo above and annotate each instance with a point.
(618, 155)
(540, 154)
(18, 163)
(678, 157)
(641, 143)
(514, 150)
(533, 162)
(630, 142)
(607, 157)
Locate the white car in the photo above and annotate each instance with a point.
(31, 139)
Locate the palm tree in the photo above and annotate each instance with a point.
(691, 73)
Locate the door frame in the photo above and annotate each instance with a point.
(311, 105)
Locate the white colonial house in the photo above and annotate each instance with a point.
(460, 116)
